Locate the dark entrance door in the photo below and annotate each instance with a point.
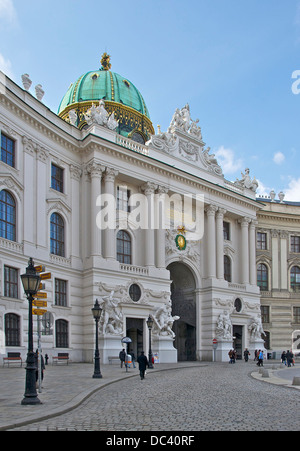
(184, 305)
(134, 330)
(238, 341)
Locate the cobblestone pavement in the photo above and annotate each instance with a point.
(214, 397)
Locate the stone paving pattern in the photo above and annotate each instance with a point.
(187, 397)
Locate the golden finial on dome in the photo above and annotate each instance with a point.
(105, 61)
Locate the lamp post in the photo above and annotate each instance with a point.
(97, 310)
(31, 281)
(150, 325)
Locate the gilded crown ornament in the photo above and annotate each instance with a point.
(105, 61)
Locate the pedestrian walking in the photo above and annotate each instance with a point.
(122, 357)
(283, 358)
(133, 358)
(260, 358)
(289, 358)
(246, 355)
(143, 363)
(42, 368)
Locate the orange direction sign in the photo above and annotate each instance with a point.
(40, 295)
(39, 312)
(45, 276)
(39, 303)
(39, 268)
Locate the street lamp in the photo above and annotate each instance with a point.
(31, 281)
(97, 310)
(150, 325)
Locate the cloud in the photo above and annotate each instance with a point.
(5, 66)
(292, 194)
(8, 12)
(227, 160)
(278, 158)
(262, 189)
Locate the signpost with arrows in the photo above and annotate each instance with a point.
(39, 309)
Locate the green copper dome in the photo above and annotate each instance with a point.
(119, 94)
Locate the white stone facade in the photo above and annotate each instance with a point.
(97, 161)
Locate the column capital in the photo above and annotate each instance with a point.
(211, 210)
(244, 222)
(110, 174)
(149, 188)
(95, 169)
(221, 212)
(162, 189)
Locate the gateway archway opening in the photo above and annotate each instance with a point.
(184, 305)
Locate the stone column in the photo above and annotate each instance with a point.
(95, 170)
(110, 234)
(245, 250)
(161, 231)
(211, 240)
(252, 252)
(283, 260)
(149, 189)
(220, 242)
(275, 260)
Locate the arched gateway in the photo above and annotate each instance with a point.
(184, 305)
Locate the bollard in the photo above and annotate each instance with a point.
(296, 381)
(265, 373)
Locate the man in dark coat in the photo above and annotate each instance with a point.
(122, 357)
(143, 363)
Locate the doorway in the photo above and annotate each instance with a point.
(135, 331)
(184, 305)
(238, 341)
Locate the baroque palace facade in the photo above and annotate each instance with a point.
(146, 223)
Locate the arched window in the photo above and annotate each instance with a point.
(12, 330)
(227, 268)
(124, 254)
(7, 216)
(262, 277)
(57, 235)
(295, 279)
(62, 333)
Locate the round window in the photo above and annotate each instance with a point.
(135, 292)
(238, 305)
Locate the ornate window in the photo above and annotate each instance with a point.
(226, 230)
(262, 277)
(11, 283)
(57, 178)
(61, 292)
(7, 151)
(135, 292)
(12, 330)
(295, 279)
(7, 216)
(62, 333)
(295, 244)
(261, 241)
(227, 268)
(57, 235)
(124, 253)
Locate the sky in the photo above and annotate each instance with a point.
(236, 63)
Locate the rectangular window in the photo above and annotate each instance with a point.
(265, 313)
(61, 292)
(57, 178)
(123, 195)
(11, 277)
(296, 311)
(295, 244)
(261, 241)
(226, 231)
(7, 151)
